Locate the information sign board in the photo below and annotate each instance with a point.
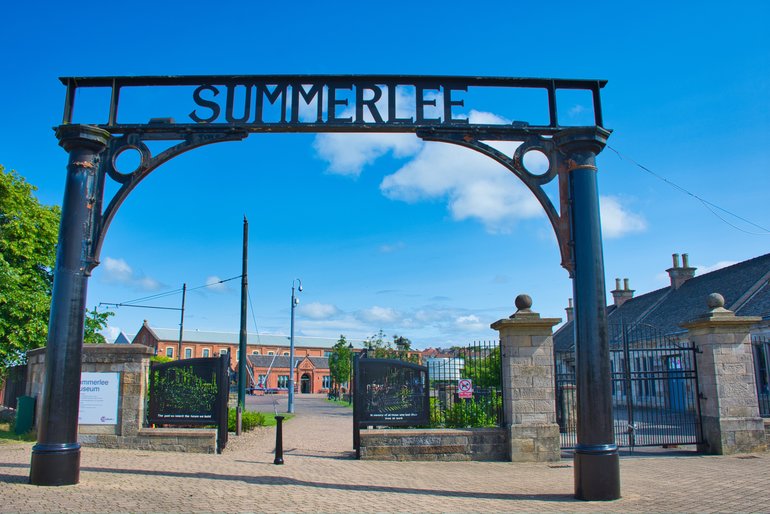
(99, 398)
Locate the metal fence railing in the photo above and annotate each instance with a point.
(15, 385)
(466, 386)
(654, 389)
(761, 348)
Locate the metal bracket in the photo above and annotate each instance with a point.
(148, 163)
(557, 168)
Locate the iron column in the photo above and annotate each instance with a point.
(294, 302)
(56, 456)
(597, 467)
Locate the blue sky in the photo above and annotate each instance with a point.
(417, 239)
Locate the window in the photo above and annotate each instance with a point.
(327, 382)
(206, 352)
(188, 353)
(285, 354)
(169, 351)
(327, 353)
(270, 353)
(222, 351)
(283, 381)
(262, 381)
(237, 355)
(255, 352)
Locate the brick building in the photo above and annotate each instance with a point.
(268, 355)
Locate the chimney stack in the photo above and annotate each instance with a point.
(569, 310)
(621, 296)
(680, 274)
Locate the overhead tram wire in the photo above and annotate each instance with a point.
(132, 303)
(254, 318)
(711, 207)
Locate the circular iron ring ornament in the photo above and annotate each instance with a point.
(545, 147)
(123, 144)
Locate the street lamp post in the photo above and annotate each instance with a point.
(294, 303)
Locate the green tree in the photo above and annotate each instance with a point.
(340, 361)
(96, 321)
(28, 234)
(378, 347)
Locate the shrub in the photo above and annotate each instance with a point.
(249, 420)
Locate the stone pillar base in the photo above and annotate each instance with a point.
(535, 443)
(727, 436)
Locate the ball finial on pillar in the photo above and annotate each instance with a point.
(715, 301)
(523, 303)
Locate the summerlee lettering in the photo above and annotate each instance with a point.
(327, 103)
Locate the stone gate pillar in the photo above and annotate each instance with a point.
(529, 399)
(728, 404)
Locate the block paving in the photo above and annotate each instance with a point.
(320, 475)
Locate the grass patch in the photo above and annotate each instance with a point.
(343, 403)
(7, 434)
(270, 420)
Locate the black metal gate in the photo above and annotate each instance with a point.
(654, 389)
(761, 347)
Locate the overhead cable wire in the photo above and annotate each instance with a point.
(710, 206)
(251, 305)
(130, 303)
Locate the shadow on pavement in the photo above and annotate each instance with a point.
(286, 481)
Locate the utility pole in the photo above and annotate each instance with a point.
(243, 336)
(181, 324)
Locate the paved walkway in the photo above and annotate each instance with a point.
(320, 476)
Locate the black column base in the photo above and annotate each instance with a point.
(55, 464)
(597, 473)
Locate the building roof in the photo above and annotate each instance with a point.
(743, 285)
(282, 361)
(212, 337)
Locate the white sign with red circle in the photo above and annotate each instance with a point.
(465, 388)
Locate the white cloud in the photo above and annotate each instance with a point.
(377, 314)
(318, 311)
(470, 323)
(702, 270)
(215, 284)
(349, 153)
(118, 271)
(474, 186)
(390, 248)
(617, 220)
(111, 333)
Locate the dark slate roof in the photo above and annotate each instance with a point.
(743, 285)
(282, 361)
(277, 361)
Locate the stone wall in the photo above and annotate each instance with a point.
(481, 444)
(132, 362)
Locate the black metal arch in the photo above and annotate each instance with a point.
(94, 149)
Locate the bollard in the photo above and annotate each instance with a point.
(279, 440)
(238, 420)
